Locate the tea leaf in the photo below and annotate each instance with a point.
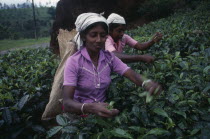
(70, 129)
(53, 131)
(117, 132)
(161, 112)
(7, 117)
(22, 102)
(206, 69)
(61, 120)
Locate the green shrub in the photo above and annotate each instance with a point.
(181, 66)
(26, 78)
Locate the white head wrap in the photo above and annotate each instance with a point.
(115, 18)
(83, 21)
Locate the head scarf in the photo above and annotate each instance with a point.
(115, 18)
(83, 21)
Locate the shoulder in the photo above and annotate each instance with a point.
(109, 39)
(75, 58)
(126, 36)
(109, 56)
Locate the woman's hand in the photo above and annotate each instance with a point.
(157, 37)
(147, 58)
(153, 88)
(100, 109)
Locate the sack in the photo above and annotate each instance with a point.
(67, 48)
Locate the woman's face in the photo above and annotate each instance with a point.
(95, 39)
(117, 33)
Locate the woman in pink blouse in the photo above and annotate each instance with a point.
(117, 40)
(87, 72)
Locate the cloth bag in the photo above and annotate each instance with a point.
(67, 48)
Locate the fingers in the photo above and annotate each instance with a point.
(109, 113)
(157, 37)
(154, 88)
(101, 110)
(148, 58)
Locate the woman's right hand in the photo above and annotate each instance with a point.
(147, 58)
(100, 109)
(153, 87)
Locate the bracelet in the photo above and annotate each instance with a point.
(146, 81)
(82, 108)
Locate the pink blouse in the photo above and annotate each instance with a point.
(91, 82)
(111, 46)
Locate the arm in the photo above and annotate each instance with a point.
(138, 80)
(134, 58)
(75, 107)
(143, 46)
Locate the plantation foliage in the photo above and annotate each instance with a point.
(182, 66)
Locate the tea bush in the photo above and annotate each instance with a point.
(26, 78)
(182, 66)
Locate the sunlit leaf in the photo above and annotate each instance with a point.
(61, 120)
(53, 131)
(117, 132)
(161, 112)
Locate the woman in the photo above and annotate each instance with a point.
(117, 40)
(87, 72)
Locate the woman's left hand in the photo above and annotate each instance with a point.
(157, 37)
(153, 88)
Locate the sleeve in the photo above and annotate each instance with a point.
(130, 41)
(70, 72)
(109, 45)
(118, 66)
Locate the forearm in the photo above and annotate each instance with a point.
(69, 104)
(75, 107)
(134, 77)
(72, 106)
(144, 46)
(129, 58)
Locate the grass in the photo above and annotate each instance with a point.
(11, 44)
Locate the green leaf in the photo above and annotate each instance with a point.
(205, 70)
(184, 65)
(7, 117)
(70, 129)
(53, 131)
(142, 94)
(61, 120)
(157, 131)
(22, 102)
(38, 128)
(180, 113)
(96, 136)
(206, 89)
(136, 110)
(192, 102)
(161, 112)
(121, 133)
(182, 103)
(138, 129)
(149, 98)
(65, 136)
(101, 122)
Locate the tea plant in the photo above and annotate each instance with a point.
(26, 78)
(181, 66)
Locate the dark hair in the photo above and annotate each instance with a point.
(112, 26)
(104, 25)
